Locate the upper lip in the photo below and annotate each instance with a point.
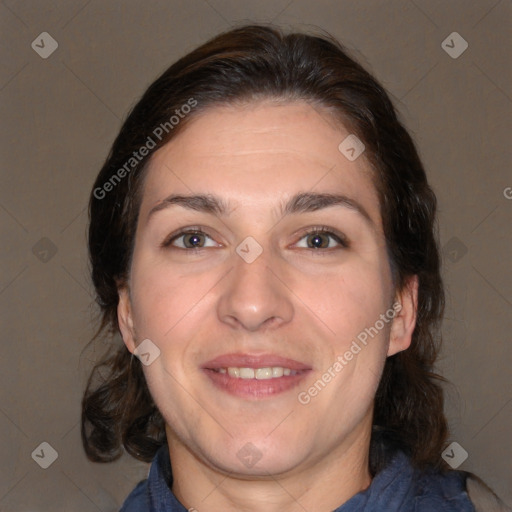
(254, 361)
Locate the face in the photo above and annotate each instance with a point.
(259, 265)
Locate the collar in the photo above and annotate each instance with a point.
(397, 487)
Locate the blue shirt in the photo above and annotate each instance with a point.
(397, 487)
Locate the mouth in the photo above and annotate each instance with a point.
(255, 376)
(265, 373)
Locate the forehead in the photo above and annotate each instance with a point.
(257, 154)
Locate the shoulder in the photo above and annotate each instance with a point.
(458, 487)
(444, 489)
(482, 497)
(154, 492)
(460, 490)
(441, 490)
(137, 499)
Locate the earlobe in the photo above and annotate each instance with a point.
(125, 319)
(405, 319)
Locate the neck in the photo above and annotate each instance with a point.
(321, 485)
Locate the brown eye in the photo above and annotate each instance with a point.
(193, 240)
(323, 239)
(318, 241)
(190, 240)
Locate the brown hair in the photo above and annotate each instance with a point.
(245, 64)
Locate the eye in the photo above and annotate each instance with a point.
(323, 238)
(189, 239)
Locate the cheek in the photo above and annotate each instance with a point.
(163, 299)
(351, 300)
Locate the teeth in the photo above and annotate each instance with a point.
(264, 373)
(277, 371)
(234, 372)
(258, 373)
(246, 373)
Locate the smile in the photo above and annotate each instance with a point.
(257, 373)
(255, 376)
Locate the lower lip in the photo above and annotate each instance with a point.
(255, 388)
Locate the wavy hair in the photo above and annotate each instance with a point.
(242, 65)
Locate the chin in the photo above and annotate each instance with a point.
(257, 457)
(264, 468)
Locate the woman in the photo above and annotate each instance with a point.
(262, 236)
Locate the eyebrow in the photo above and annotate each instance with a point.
(300, 203)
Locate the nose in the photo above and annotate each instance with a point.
(254, 296)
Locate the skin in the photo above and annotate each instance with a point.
(307, 304)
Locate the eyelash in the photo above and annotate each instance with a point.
(316, 230)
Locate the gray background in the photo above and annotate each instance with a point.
(59, 116)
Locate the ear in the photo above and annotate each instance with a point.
(125, 318)
(404, 321)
